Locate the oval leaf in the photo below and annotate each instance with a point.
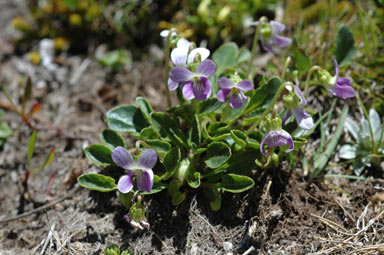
(345, 48)
(112, 139)
(99, 155)
(171, 160)
(97, 182)
(217, 154)
(159, 145)
(225, 56)
(236, 183)
(126, 118)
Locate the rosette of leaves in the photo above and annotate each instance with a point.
(200, 145)
(368, 149)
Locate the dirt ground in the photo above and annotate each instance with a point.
(283, 214)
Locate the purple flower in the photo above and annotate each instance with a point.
(181, 56)
(142, 169)
(235, 92)
(270, 37)
(275, 138)
(195, 84)
(340, 87)
(296, 107)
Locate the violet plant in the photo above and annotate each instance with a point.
(222, 128)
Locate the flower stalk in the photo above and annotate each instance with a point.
(309, 75)
(254, 46)
(167, 50)
(274, 100)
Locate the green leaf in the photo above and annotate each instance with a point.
(168, 128)
(303, 62)
(236, 183)
(265, 93)
(217, 154)
(353, 128)
(239, 137)
(31, 146)
(145, 107)
(99, 155)
(126, 118)
(112, 139)
(347, 151)
(178, 198)
(194, 180)
(171, 160)
(225, 56)
(194, 134)
(48, 159)
(345, 48)
(322, 160)
(243, 55)
(97, 182)
(159, 145)
(209, 105)
(148, 132)
(5, 130)
(374, 118)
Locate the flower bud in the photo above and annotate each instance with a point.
(136, 216)
(325, 78)
(266, 31)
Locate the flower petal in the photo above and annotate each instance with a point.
(188, 91)
(344, 81)
(206, 68)
(245, 85)
(165, 33)
(298, 92)
(225, 83)
(180, 74)
(303, 119)
(267, 47)
(336, 68)
(125, 183)
(147, 159)
(282, 41)
(145, 180)
(289, 140)
(342, 91)
(204, 53)
(256, 23)
(123, 158)
(172, 85)
(183, 44)
(201, 89)
(235, 100)
(277, 27)
(179, 56)
(276, 138)
(263, 143)
(222, 94)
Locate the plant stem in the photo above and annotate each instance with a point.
(254, 45)
(369, 122)
(167, 50)
(286, 63)
(313, 68)
(275, 98)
